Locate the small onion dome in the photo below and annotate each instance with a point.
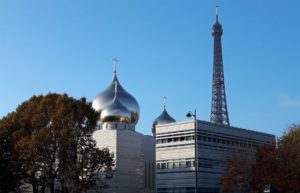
(163, 118)
(115, 111)
(126, 99)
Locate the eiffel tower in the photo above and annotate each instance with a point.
(219, 112)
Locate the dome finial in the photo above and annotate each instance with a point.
(115, 61)
(164, 101)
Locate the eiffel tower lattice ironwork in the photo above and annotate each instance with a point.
(219, 112)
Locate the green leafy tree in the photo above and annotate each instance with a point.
(53, 144)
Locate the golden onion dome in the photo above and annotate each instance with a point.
(127, 100)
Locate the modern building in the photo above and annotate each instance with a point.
(175, 154)
(134, 153)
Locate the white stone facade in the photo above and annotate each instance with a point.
(175, 154)
(134, 155)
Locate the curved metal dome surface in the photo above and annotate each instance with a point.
(163, 118)
(127, 100)
(115, 112)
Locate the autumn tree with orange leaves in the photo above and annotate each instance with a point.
(276, 165)
(47, 143)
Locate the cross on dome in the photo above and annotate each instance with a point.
(115, 61)
(164, 101)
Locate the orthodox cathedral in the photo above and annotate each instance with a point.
(134, 153)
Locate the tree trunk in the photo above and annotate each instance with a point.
(52, 186)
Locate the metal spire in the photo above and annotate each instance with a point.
(115, 61)
(217, 16)
(219, 112)
(164, 101)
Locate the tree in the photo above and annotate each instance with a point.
(53, 144)
(276, 165)
(288, 161)
(238, 168)
(9, 175)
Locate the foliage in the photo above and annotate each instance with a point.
(9, 175)
(275, 164)
(238, 167)
(53, 146)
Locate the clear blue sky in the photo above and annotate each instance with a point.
(164, 48)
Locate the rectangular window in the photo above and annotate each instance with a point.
(176, 164)
(188, 164)
(158, 165)
(182, 164)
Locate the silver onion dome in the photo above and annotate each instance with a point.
(115, 112)
(163, 118)
(107, 96)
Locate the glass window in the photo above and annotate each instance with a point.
(176, 164)
(194, 163)
(188, 164)
(182, 164)
(158, 165)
